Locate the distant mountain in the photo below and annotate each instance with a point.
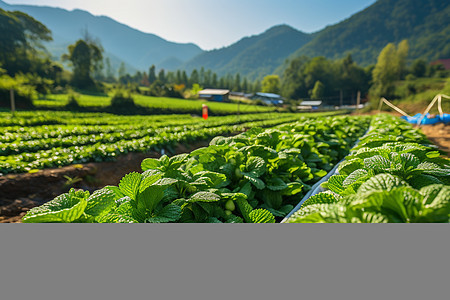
(425, 23)
(252, 57)
(137, 49)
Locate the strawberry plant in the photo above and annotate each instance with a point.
(393, 175)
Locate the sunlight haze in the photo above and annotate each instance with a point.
(213, 24)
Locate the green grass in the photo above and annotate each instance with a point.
(426, 90)
(60, 100)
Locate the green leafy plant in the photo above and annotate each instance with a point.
(388, 177)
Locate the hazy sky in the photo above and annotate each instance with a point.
(210, 23)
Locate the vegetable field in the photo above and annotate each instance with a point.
(258, 168)
(50, 139)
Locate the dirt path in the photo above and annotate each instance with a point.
(439, 134)
(21, 192)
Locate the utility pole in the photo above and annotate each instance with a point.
(341, 100)
(13, 103)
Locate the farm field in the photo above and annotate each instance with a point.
(52, 139)
(300, 153)
(256, 169)
(179, 105)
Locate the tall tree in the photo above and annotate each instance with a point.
(214, 82)
(389, 68)
(162, 76)
(318, 91)
(194, 78)
(271, 84)
(419, 67)
(237, 83)
(402, 53)
(84, 57)
(152, 74)
(245, 85)
(20, 39)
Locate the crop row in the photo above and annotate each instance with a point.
(393, 175)
(256, 176)
(81, 149)
(69, 121)
(35, 140)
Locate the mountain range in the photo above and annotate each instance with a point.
(425, 23)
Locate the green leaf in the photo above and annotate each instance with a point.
(234, 219)
(433, 154)
(204, 197)
(149, 180)
(433, 169)
(381, 182)
(410, 161)
(148, 199)
(438, 207)
(116, 218)
(377, 163)
(246, 189)
(129, 184)
(430, 192)
(357, 175)
(218, 180)
(422, 180)
(272, 199)
(335, 183)
(179, 159)
(320, 198)
(100, 203)
(116, 190)
(170, 213)
(255, 166)
(372, 217)
(388, 202)
(258, 183)
(276, 184)
(261, 216)
(321, 213)
(244, 208)
(65, 208)
(320, 173)
(125, 207)
(213, 220)
(293, 188)
(150, 164)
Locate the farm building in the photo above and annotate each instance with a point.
(309, 105)
(444, 62)
(214, 95)
(268, 98)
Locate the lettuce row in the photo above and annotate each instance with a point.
(257, 177)
(393, 175)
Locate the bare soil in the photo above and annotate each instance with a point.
(439, 134)
(21, 192)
